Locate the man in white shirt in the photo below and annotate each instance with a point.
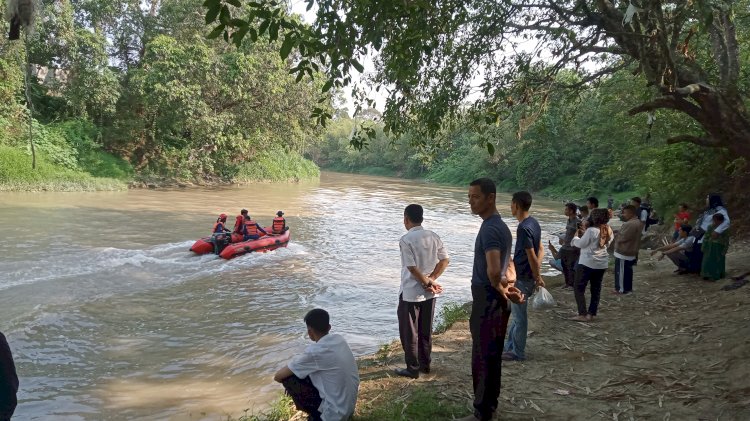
(323, 381)
(423, 260)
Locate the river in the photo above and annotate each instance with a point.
(109, 316)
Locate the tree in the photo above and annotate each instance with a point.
(434, 55)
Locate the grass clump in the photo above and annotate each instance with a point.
(449, 314)
(419, 404)
(281, 410)
(16, 174)
(277, 166)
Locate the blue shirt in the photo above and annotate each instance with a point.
(493, 234)
(528, 236)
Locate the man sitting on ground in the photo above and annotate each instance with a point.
(679, 252)
(323, 381)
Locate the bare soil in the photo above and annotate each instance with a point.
(678, 348)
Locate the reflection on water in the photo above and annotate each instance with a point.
(110, 317)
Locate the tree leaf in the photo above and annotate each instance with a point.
(225, 16)
(357, 65)
(263, 26)
(273, 31)
(235, 3)
(212, 13)
(286, 47)
(239, 35)
(491, 148)
(300, 75)
(216, 32)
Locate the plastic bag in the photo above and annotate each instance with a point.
(542, 299)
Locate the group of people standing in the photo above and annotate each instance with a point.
(323, 381)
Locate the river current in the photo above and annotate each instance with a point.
(109, 316)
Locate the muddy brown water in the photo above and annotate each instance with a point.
(109, 316)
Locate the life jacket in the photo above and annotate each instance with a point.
(251, 227)
(218, 227)
(278, 224)
(239, 224)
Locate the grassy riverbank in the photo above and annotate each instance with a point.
(677, 348)
(16, 174)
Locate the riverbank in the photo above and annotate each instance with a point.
(677, 348)
(16, 174)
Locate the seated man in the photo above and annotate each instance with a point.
(681, 251)
(279, 223)
(322, 381)
(220, 225)
(239, 223)
(252, 228)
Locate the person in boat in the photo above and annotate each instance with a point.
(220, 226)
(239, 223)
(251, 229)
(279, 223)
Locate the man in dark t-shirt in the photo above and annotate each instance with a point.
(490, 291)
(568, 253)
(8, 381)
(527, 259)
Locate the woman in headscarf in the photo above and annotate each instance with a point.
(713, 266)
(714, 205)
(592, 263)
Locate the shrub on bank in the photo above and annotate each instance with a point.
(277, 166)
(16, 174)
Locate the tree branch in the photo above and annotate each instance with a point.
(696, 140)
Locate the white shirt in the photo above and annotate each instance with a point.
(333, 371)
(422, 249)
(685, 243)
(592, 255)
(705, 221)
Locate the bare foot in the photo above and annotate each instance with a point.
(590, 318)
(580, 318)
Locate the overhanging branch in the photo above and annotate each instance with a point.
(696, 140)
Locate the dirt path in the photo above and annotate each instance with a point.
(678, 348)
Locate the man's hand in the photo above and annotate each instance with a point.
(539, 282)
(653, 252)
(511, 294)
(714, 235)
(435, 288)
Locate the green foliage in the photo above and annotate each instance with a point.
(450, 314)
(277, 165)
(16, 175)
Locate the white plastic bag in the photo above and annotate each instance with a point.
(542, 299)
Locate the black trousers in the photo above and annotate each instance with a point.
(568, 260)
(584, 275)
(305, 396)
(415, 329)
(488, 323)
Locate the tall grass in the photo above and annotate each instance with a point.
(277, 166)
(16, 174)
(451, 313)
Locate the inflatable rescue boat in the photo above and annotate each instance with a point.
(229, 246)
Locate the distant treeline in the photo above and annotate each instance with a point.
(569, 147)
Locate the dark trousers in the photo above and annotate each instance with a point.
(415, 329)
(624, 275)
(489, 321)
(568, 260)
(584, 275)
(305, 396)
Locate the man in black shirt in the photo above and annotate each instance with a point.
(491, 290)
(8, 381)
